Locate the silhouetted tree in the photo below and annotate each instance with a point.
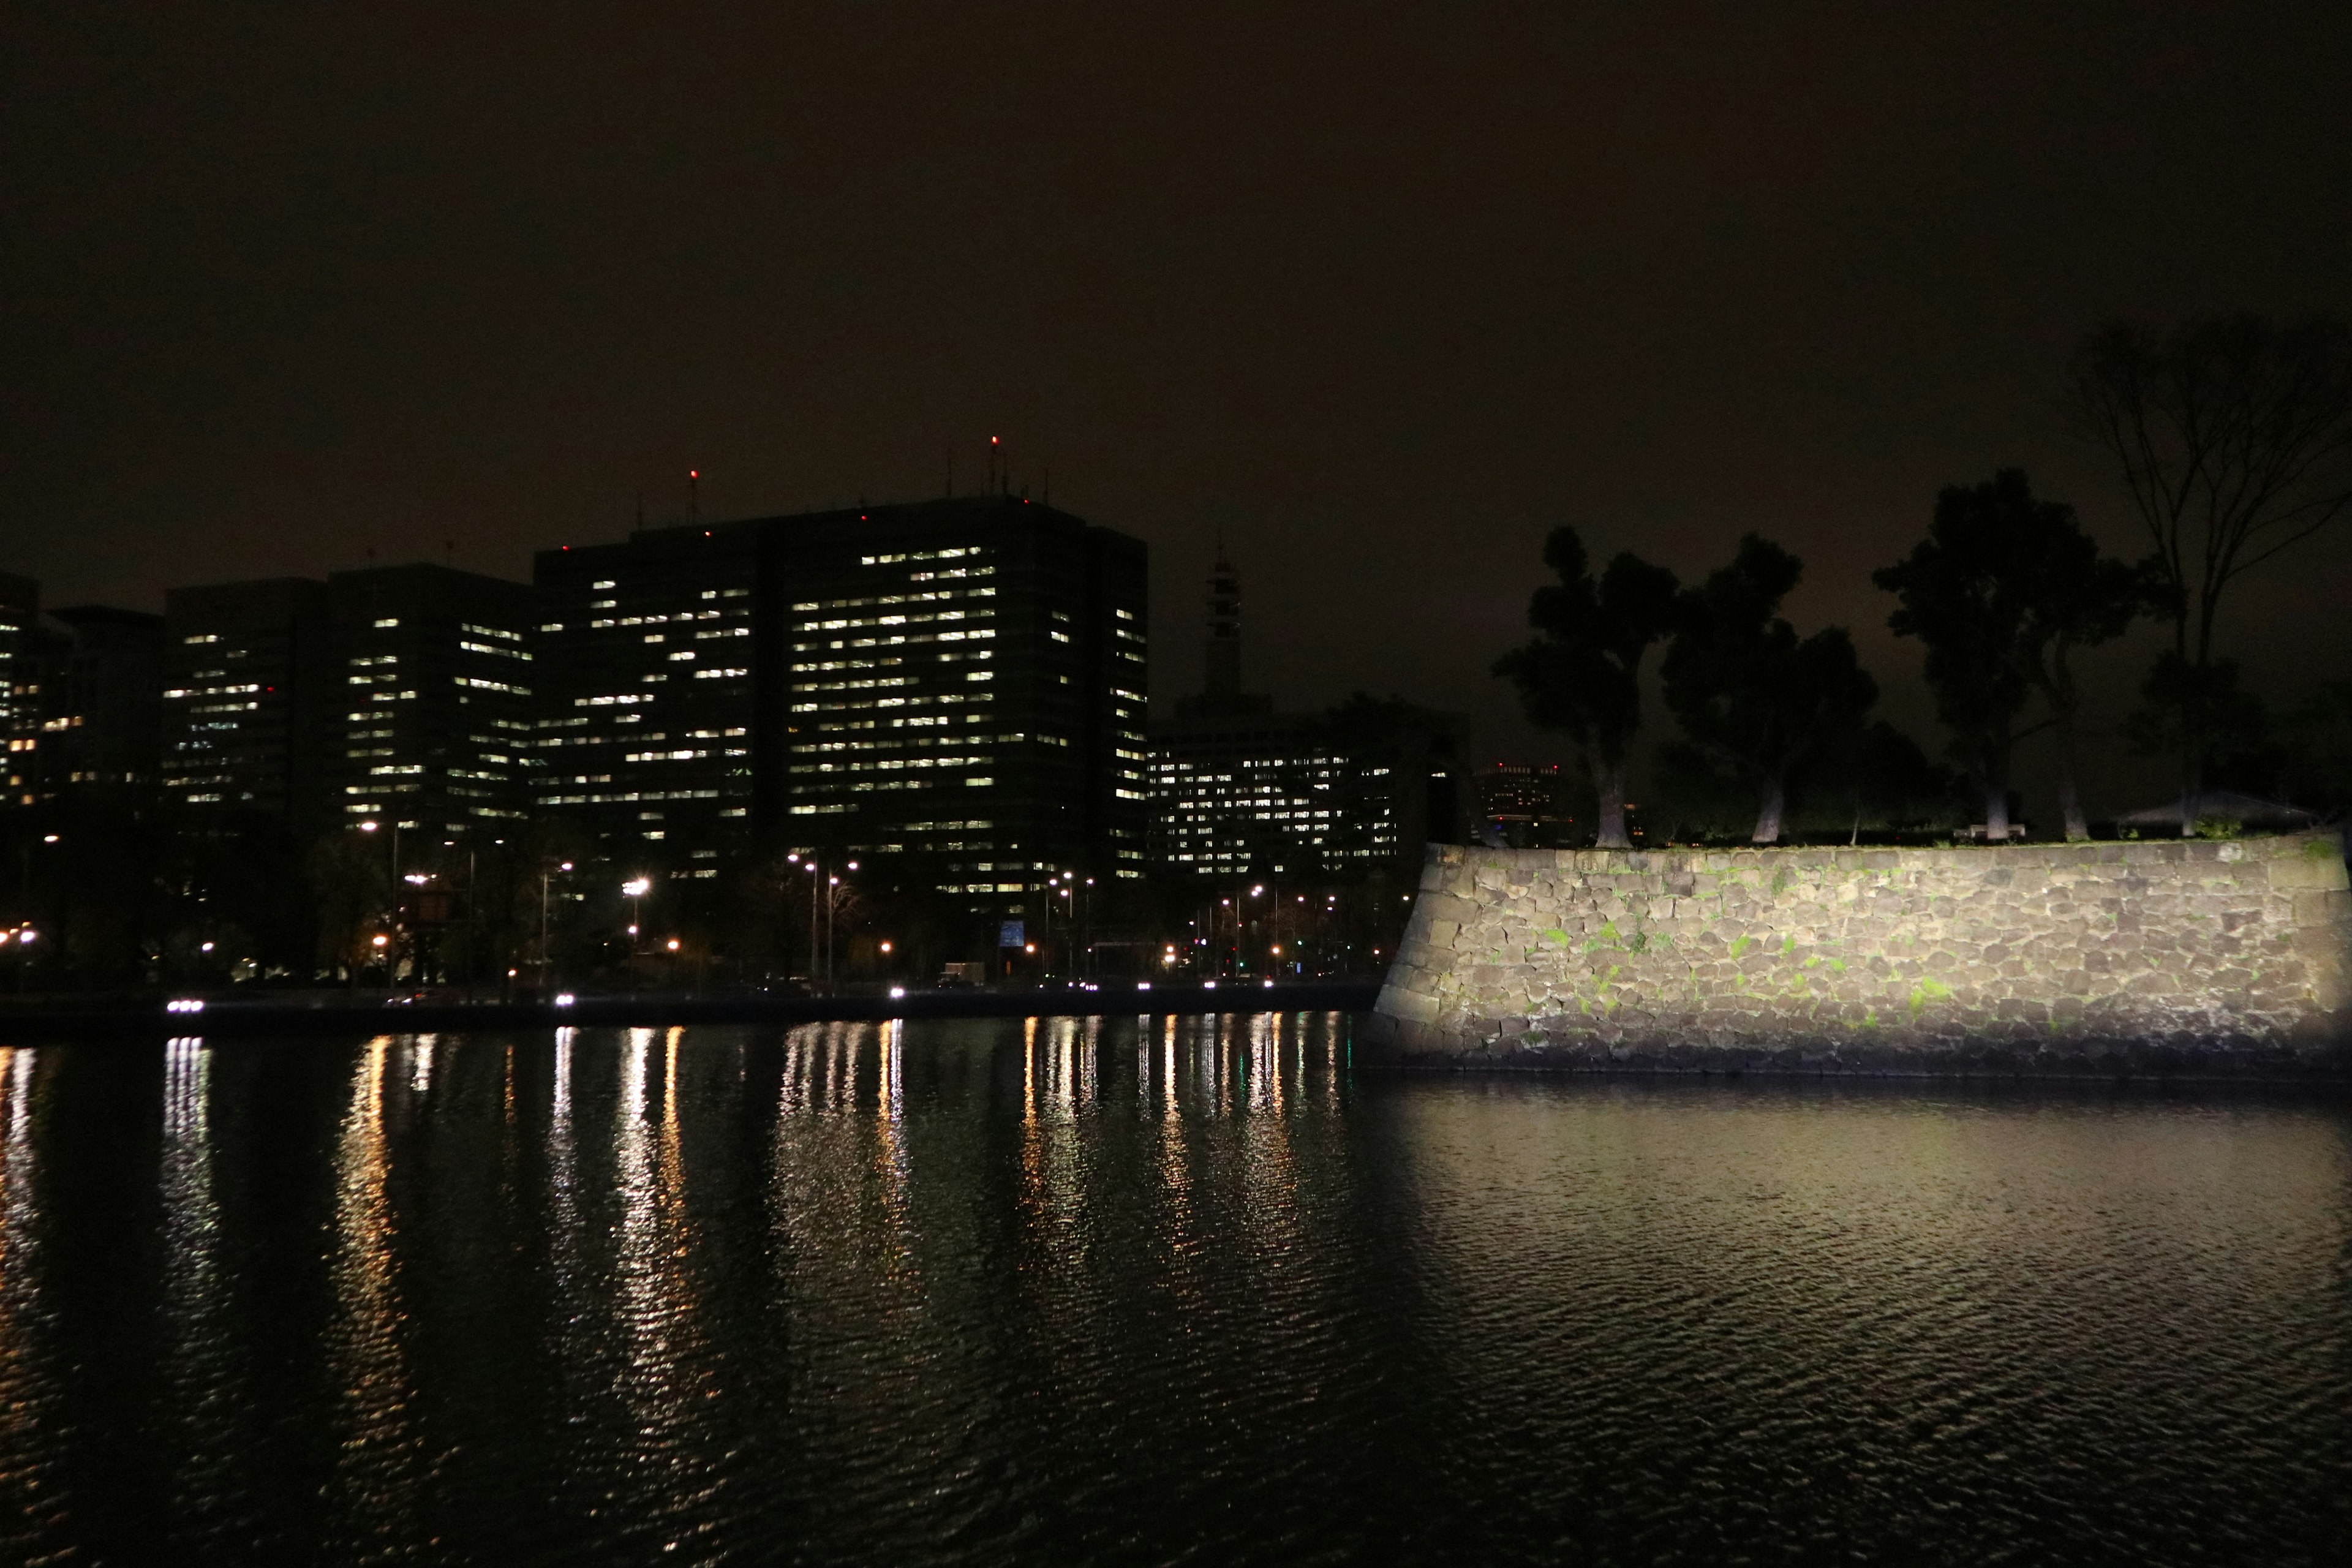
(1747, 688)
(2235, 438)
(2001, 590)
(2319, 743)
(1894, 784)
(1581, 673)
(2237, 746)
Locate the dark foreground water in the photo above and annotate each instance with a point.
(1146, 1292)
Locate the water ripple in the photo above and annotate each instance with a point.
(1151, 1290)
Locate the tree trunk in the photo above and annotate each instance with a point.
(2192, 723)
(1768, 817)
(1609, 783)
(1996, 777)
(2069, 794)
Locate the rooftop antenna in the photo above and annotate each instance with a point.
(448, 553)
(995, 462)
(693, 494)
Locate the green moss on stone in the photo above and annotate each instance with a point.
(1925, 992)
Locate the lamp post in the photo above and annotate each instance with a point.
(831, 920)
(546, 964)
(635, 888)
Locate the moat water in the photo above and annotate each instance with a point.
(1145, 1291)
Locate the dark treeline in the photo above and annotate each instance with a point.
(2233, 440)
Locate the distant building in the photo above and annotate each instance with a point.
(1523, 805)
(1238, 788)
(97, 717)
(434, 718)
(647, 654)
(953, 690)
(20, 615)
(250, 682)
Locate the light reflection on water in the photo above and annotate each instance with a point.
(1121, 1290)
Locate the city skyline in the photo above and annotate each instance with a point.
(1383, 307)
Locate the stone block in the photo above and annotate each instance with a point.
(1406, 1004)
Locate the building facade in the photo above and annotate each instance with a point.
(434, 720)
(1240, 789)
(1523, 805)
(648, 708)
(20, 618)
(250, 685)
(952, 691)
(93, 729)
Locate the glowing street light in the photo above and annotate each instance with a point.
(635, 888)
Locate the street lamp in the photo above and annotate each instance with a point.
(635, 888)
(544, 965)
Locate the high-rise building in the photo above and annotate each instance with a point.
(1522, 806)
(1238, 788)
(250, 681)
(647, 709)
(97, 719)
(434, 723)
(953, 690)
(20, 616)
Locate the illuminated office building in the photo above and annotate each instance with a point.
(89, 724)
(20, 615)
(395, 695)
(1523, 805)
(1239, 789)
(647, 710)
(250, 679)
(433, 722)
(952, 691)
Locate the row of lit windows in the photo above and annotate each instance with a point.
(890, 764)
(622, 797)
(954, 553)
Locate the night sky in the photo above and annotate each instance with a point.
(1382, 295)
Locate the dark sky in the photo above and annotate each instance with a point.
(1382, 295)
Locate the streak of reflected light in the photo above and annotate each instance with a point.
(28, 1397)
(200, 1369)
(378, 1453)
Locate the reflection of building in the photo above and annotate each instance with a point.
(952, 690)
(250, 679)
(433, 723)
(1522, 806)
(1237, 787)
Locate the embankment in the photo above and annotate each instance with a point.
(2231, 956)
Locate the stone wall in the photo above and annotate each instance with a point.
(2229, 954)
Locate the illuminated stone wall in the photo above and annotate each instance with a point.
(2228, 954)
